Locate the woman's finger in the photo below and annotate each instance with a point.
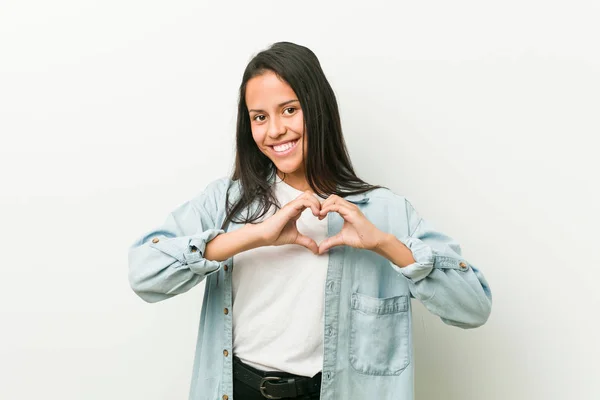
(335, 199)
(341, 209)
(304, 201)
(330, 242)
(307, 242)
(331, 199)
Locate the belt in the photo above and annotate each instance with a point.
(276, 387)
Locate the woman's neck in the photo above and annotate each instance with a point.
(295, 181)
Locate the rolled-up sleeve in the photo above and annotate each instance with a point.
(169, 260)
(441, 278)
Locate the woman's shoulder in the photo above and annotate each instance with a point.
(384, 195)
(213, 194)
(219, 186)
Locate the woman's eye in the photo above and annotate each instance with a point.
(259, 118)
(290, 110)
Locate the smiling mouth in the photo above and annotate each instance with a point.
(285, 148)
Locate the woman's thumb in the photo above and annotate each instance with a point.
(307, 242)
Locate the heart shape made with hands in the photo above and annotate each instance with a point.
(357, 230)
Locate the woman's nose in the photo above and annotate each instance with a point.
(276, 127)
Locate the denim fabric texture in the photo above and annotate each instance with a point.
(367, 341)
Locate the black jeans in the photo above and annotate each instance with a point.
(241, 391)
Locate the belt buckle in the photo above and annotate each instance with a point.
(262, 387)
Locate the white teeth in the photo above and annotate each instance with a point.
(285, 146)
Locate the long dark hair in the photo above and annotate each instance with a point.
(328, 168)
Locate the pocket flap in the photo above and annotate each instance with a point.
(375, 305)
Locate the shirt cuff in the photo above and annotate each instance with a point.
(424, 257)
(195, 255)
(189, 251)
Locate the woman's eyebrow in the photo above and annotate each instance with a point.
(278, 105)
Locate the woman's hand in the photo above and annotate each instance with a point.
(357, 231)
(280, 228)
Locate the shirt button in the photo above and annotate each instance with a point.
(155, 240)
(329, 331)
(225, 353)
(328, 375)
(330, 285)
(463, 265)
(226, 267)
(226, 311)
(225, 397)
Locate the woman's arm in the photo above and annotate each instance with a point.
(186, 248)
(229, 244)
(447, 284)
(178, 255)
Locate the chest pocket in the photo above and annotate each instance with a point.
(379, 334)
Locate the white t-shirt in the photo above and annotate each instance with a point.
(278, 294)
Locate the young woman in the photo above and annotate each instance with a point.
(309, 270)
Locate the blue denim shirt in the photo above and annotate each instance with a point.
(367, 340)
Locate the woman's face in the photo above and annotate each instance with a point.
(277, 122)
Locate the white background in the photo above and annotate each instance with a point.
(112, 113)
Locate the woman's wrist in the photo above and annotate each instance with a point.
(228, 244)
(254, 235)
(394, 250)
